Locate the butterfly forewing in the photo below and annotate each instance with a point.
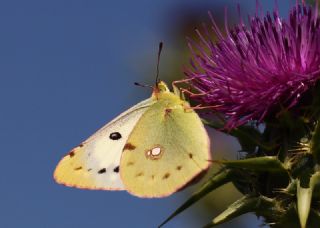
(166, 150)
(94, 164)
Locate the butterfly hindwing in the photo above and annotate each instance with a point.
(94, 164)
(166, 150)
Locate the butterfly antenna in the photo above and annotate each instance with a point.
(143, 85)
(158, 62)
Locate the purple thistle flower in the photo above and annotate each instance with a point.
(254, 70)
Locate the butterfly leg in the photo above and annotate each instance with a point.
(182, 91)
(200, 107)
(191, 94)
(175, 83)
(177, 89)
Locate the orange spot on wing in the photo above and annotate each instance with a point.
(71, 154)
(139, 174)
(130, 163)
(166, 176)
(129, 146)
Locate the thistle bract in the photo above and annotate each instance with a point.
(255, 69)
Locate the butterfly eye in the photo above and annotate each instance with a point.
(115, 136)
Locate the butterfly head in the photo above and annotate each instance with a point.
(160, 88)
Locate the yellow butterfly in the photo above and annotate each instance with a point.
(152, 150)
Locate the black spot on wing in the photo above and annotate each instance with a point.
(78, 168)
(115, 136)
(116, 169)
(102, 171)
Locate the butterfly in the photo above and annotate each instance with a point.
(152, 150)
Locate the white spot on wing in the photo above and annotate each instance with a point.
(154, 153)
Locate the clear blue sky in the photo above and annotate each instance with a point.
(66, 68)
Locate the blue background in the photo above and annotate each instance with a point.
(66, 68)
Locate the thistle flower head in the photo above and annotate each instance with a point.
(255, 69)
